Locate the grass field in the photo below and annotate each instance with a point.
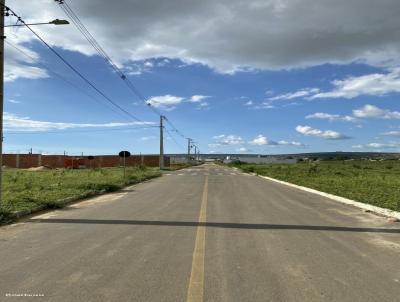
(372, 182)
(26, 190)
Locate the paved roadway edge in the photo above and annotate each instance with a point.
(364, 206)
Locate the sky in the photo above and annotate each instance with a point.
(255, 76)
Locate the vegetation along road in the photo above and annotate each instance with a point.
(207, 233)
(26, 190)
(372, 182)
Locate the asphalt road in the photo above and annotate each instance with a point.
(203, 234)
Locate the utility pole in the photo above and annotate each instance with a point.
(2, 37)
(161, 142)
(195, 152)
(188, 151)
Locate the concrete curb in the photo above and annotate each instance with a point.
(364, 206)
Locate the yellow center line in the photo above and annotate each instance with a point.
(196, 282)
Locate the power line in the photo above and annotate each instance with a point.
(89, 37)
(175, 129)
(92, 41)
(75, 19)
(63, 78)
(174, 140)
(72, 67)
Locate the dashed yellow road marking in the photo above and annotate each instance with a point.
(196, 282)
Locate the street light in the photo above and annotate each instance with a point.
(2, 37)
(54, 22)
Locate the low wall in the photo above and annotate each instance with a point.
(178, 160)
(24, 161)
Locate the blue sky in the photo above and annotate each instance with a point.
(246, 97)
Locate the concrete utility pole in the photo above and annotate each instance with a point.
(189, 143)
(195, 152)
(161, 142)
(2, 37)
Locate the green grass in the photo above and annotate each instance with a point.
(26, 190)
(376, 183)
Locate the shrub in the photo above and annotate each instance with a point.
(313, 169)
(249, 169)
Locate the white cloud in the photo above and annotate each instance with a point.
(263, 105)
(140, 67)
(376, 84)
(371, 111)
(260, 140)
(165, 101)
(392, 133)
(393, 145)
(169, 102)
(331, 117)
(306, 92)
(18, 66)
(17, 123)
(198, 98)
(229, 35)
(380, 145)
(227, 140)
(368, 111)
(292, 143)
(14, 101)
(243, 150)
(249, 103)
(328, 134)
(203, 106)
(147, 138)
(390, 115)
(218, 136)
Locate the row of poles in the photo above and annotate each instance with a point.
(2, 39)
(189, 147)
